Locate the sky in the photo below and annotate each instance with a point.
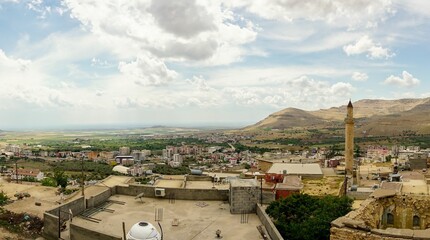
(74, 63)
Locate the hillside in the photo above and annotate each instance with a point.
(288, 118)
(374, 117)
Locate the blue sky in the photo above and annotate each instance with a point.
(191, 62)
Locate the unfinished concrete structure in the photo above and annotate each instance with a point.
(244, 195)
(188, 213)
(386, 215)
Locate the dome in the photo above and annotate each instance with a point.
(143, 231)
(120, 169)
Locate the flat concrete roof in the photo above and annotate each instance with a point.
(197, 219)
(415, 186)
(296, 168)
(397, 186)
(243, 182)
(383, 193)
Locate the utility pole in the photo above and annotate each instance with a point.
(83, 179)
(261, 191)
(16, 170)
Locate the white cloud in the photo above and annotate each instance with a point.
(359, 76)
(199, 31)
(183, 18)
(17, 64)
(147, 71)
(406, 80)
(353, 14)
(303, 92)
(200, 83)
(366, 45)
(416, 7)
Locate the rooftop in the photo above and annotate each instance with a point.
(195, 219)
(296, 168)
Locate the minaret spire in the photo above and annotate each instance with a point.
(349, 139)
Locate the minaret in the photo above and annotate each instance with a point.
(349, 139)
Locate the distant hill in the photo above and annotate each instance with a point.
(374, 117)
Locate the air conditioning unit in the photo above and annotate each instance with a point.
(160, 192)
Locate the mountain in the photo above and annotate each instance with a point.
(288, 118)
(375, 117)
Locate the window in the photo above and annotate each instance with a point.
(416, 221)
(390, 219)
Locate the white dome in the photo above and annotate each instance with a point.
(143, 231)
(120, 169)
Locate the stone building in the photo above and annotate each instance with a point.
(349, 139)
(386, 215)
(244, 195)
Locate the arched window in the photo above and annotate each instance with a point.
(416, 221)
(390, 219)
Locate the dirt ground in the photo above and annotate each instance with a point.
(44, 195)
(328, 185)
(5, 235)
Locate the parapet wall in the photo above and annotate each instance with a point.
(50, 226)
(268, 224)
(177, 193)
(81, 233)
(100, 198)
(50, 217)
(198, 178)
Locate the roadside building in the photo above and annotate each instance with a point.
(27, 173)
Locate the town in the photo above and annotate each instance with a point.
(202, 167)
(210, 120)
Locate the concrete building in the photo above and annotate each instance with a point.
(124, 160)
(349, 139)
(124, 151)
(290, 185)
(310, 170)
(418, 161)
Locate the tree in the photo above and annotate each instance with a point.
(60, 178)
(388, 158)
(357, 151)
(305, 217)
(3, 198)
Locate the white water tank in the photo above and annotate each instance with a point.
(143, 231)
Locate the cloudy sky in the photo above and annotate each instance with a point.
(74, 63)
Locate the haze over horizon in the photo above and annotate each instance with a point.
(194, 62)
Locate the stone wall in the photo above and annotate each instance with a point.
(370, 220)
(403, 208)
(81, 233)
(268, 224)
(343, 233)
